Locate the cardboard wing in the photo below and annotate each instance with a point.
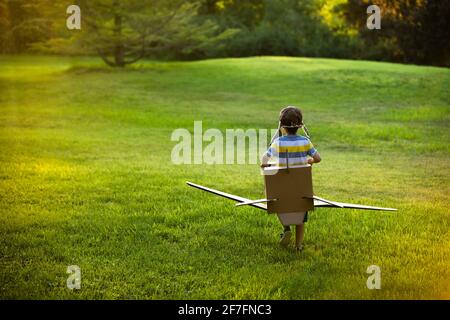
(288, 190)
(229, 196)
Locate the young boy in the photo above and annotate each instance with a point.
(290, 149)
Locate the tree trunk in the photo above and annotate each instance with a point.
(118, 48)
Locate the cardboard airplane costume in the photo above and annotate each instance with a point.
(289, 193)
(289, 190)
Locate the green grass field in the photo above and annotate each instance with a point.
(86, 179)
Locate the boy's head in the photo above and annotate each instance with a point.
(291, 119)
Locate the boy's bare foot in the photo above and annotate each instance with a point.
(285, 238)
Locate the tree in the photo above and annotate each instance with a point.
(434, 32)
(5, 25)
(412, 31)
(123, 32)
(237, 14)
(278, 27)
(23, 23)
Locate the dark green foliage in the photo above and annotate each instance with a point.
(413, 31)
(290, 28)
(22, 24)
(124, 32)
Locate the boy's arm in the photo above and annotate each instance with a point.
(269, 154)
(315, 158)
(265, 161)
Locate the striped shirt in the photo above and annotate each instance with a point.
(292, 150)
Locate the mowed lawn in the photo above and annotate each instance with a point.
(86, 179)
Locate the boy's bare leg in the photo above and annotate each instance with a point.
(299, 234)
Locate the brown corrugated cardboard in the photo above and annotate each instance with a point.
(289, 186)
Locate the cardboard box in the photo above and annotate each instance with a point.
(289, 186)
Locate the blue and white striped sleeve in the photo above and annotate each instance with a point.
(311, 150)
(272, 151)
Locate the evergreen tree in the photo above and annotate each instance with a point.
(122, 32)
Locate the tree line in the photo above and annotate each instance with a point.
(124, 31)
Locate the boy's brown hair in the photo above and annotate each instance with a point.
(291, 119)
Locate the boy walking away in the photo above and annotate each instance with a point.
(291, 149)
